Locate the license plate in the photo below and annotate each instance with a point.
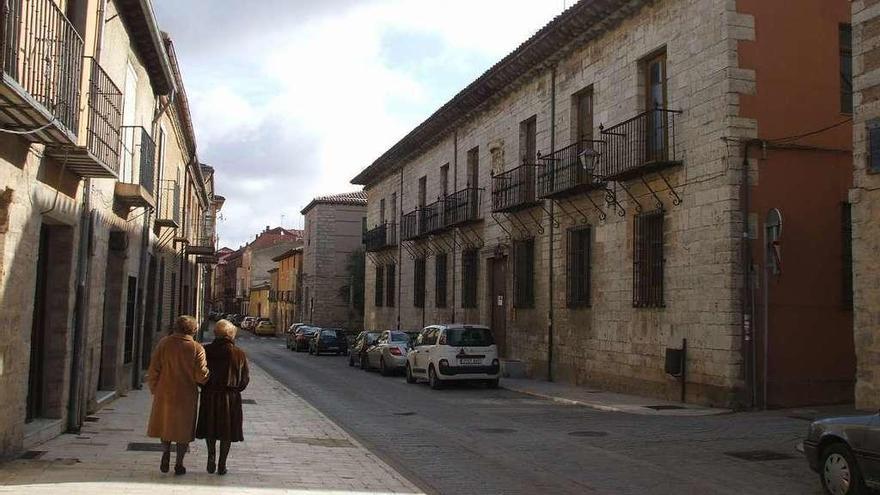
(470, 361)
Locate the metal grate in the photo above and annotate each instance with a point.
(409, 226)
(469, 273)
(145, 447)
(105, 117)
(577, 281)
(760, 455)
(380, 287)
(390, 284)
(524, 273)
(665, 407)
(564, 174)
(644, 142)
(462, 207)
(419, 283)
(648, 260)
(514, 189)
(380, 237)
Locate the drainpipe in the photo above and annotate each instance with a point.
(398, 273)
(748, 320)
(552, 219)
(454, 232)
(75, 408)
(137, 376)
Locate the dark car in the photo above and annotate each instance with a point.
(845, 451)
(357, 352)
(328, 340)
(303, 337)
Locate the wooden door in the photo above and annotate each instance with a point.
(499, 303)
(655, 104)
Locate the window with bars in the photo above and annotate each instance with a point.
(380, 286)
(578, 267)
(390, 284)
(874, 146)
(440, 280)
(846, 68)
(648, 260)
(419, 283)
(847, 269)
(469, 273)
(524, 273)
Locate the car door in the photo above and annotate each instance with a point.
(375, 352)
(414, 352)
(866, 445)
(428, 349)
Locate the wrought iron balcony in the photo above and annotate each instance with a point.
(462, 207)
(135, 186)
(431, 218)
(381, 237)
(409, 226)
(205, 236)
(514, 189)
(571, 170)
(168, 214)
(42, 59)
(642, 144)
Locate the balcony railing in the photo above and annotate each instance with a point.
(514, 189)
(409, 226)
(462, 207)
(641, 144)
(571, 170)
(169, 204)
(431, 218)
(105, 118)
(381, 237)
(138, 157)
(42, 65)
(205, 235)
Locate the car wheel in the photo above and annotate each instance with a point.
(409, 376)
(433, 380)
(492, 383)
(839, 472)
(382, 369)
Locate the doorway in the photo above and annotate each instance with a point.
(112, 324)
(38, 333)
(499, 303)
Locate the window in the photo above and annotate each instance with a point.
(390, 284)
(847, 239)
(528, 135)
(444, 179)
(656, 138)
(473, 168)
(440, 280)
(423, 187)
(582, 115)
(380, 286)
(469, 273)
(846, 68)
(873, 146)
(524, 273)
(419, 283)
(381, 211)
(393, 207)
(648, 260)
(578, 267)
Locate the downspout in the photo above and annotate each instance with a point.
(398, 273)
(748, 320)
(455, 232)
(552, 219)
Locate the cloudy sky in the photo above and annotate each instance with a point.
(292, 98)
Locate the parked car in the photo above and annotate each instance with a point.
(264, 326)
(290, 335)
(845, 451)
(389, 353)
(328, 340)
(456, 352)
(303, 338)
(358, 348)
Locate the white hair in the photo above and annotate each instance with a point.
(224, 328)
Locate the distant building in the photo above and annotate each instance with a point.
(256, 261)
(287, 288)
(333, 231)
(259, 300)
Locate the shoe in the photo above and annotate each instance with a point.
(178, 470)
(166, 459)
(221, 470)
(212, 466)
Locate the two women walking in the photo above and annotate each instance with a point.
(178, 368)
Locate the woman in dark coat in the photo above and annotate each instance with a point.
(220, 415)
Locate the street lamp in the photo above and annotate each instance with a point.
(587, 160)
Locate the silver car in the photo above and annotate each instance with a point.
(845, 451)
(388, 355)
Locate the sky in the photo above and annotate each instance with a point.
(292, 98)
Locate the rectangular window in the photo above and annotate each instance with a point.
(382, 211)
(469, 274)
(578, 267)
(393, 216)
(440, 280)
(582, 110)
(473, 168)
(528, 139)
(873, 146)
(847, 254)
(524, 273)
(423, 191)
(846, 69)
(390, 284)
(444, 179)
(419, 283)
(648, 260)
(380, 286)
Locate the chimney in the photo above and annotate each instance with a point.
(267, 229)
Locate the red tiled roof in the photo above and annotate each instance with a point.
(352, 198)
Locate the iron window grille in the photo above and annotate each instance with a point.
(847, 255)
(578, 270)
(419, 283)
(390, 283)
(440, 266)
(648, 260)
(873, 130)
(846, 68)
(524, 273)
(469, 274)
(380, 286)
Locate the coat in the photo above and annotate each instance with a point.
(220, 416)
(177, 366)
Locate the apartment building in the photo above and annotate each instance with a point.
(286, 296)
(334, 227)
(223, 285)
(865, 199)
(256, 261)
(83, 91)
(645, 196)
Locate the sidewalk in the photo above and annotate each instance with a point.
(605, 401)
(289, 447)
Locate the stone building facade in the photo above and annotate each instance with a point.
(287, 288)
(80, 190)
(256, 261)
(585, 197)
(333, 232)
(865, 198)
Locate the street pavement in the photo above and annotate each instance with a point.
(469, 439)
(289, 447)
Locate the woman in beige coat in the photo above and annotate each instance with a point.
(177, 367)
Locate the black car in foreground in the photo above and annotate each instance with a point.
(328, 340)
(845, 451)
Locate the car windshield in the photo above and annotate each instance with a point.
(399, 337)
(328, 333)
(308, 331)
(469, 336)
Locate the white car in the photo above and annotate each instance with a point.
(452, 353)
(248, 322)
